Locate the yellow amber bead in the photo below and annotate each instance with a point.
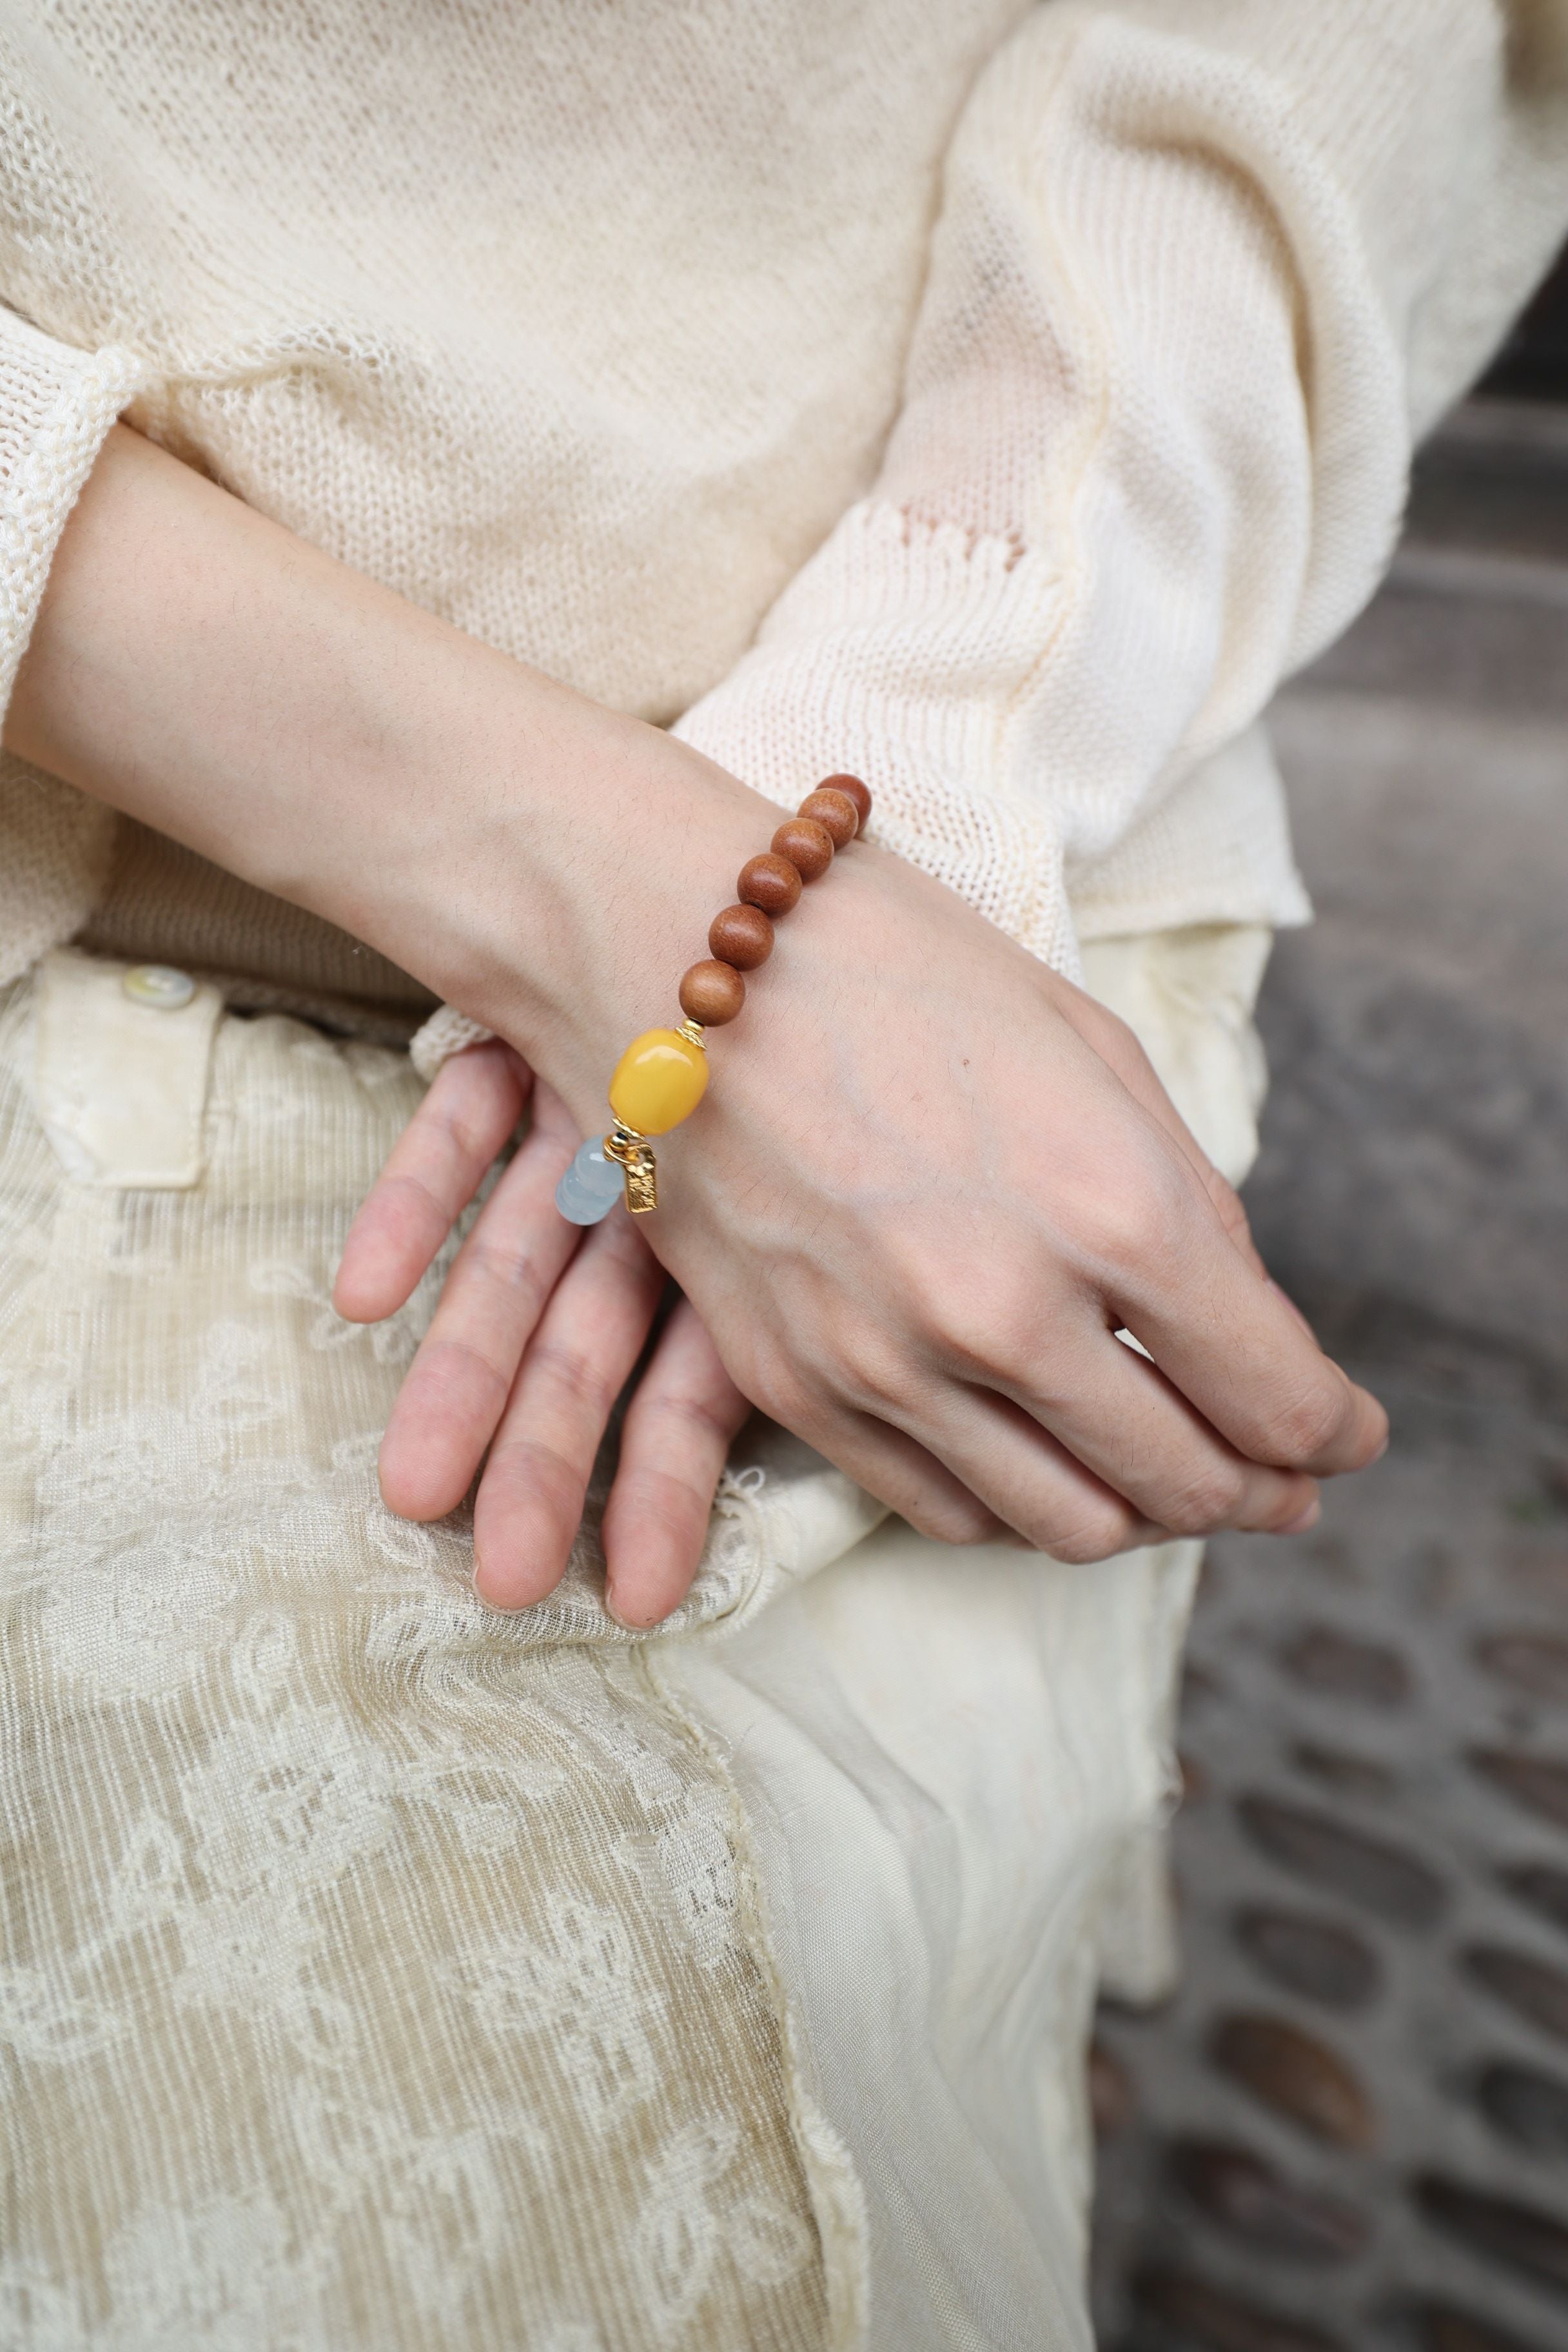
(659, 1080)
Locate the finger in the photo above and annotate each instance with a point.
(683, 1414)
(1296, 1311)
(1024, 1479)
(1118, 1046)
(532, 1494)
(1117, 1415)
(1230, 1344)
(456, 1388)
(1277, 1397)
(437, 1166)
(899, 1471)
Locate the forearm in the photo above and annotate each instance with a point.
(519, 848)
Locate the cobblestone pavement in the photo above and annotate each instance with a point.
(1350, 2127)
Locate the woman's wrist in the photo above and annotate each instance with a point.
(560, 883)
(541, 862)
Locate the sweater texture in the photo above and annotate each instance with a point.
(994, 400)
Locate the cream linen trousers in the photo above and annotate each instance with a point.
(380, 1972)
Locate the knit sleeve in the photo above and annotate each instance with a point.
(1201, 267)
(57, 405)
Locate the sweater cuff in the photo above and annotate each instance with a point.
(897, 656)
(447, 1031)
(57, 405)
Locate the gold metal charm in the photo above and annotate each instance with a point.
(642, 1183)
(638, 1166)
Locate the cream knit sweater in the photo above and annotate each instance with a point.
(994, 399)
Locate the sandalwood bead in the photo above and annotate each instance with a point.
(808, 846)
(742, 936)
(834, 811)
(769, 882)
(852, 789)
(711, 993)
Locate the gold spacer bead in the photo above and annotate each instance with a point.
(692, 1033)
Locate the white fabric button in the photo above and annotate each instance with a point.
(159, 985)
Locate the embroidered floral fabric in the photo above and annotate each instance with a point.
(378, 1972)
(375, 1971)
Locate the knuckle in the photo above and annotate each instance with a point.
(969, 1324)
(527, 1463)
(694, 1412)
(406, 1190)
(449, 1373)
(500, 1268)
(1209, 1499)
(463, 1133)
(1093, 1534)
(663, 1504)
(950, 1518)
(873, 1375)
(1306, 1424)
(463, 1126)
(1135, 1226)
(775, 1386)
(576, 1376)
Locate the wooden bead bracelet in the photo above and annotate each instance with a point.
(662, 1076)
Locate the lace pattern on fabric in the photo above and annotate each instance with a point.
(376, 1970)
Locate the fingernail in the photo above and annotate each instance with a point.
(499, 1608)
(1303, 1519)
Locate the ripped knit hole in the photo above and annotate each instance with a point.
(1006, 550)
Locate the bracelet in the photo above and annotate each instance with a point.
(663, 1075)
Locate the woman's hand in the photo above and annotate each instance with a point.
(930, 1183)
(929, 1180)
(537, 1331)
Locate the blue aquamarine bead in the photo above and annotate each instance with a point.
(591, 1186)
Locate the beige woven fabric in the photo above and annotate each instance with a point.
(375, 1971)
